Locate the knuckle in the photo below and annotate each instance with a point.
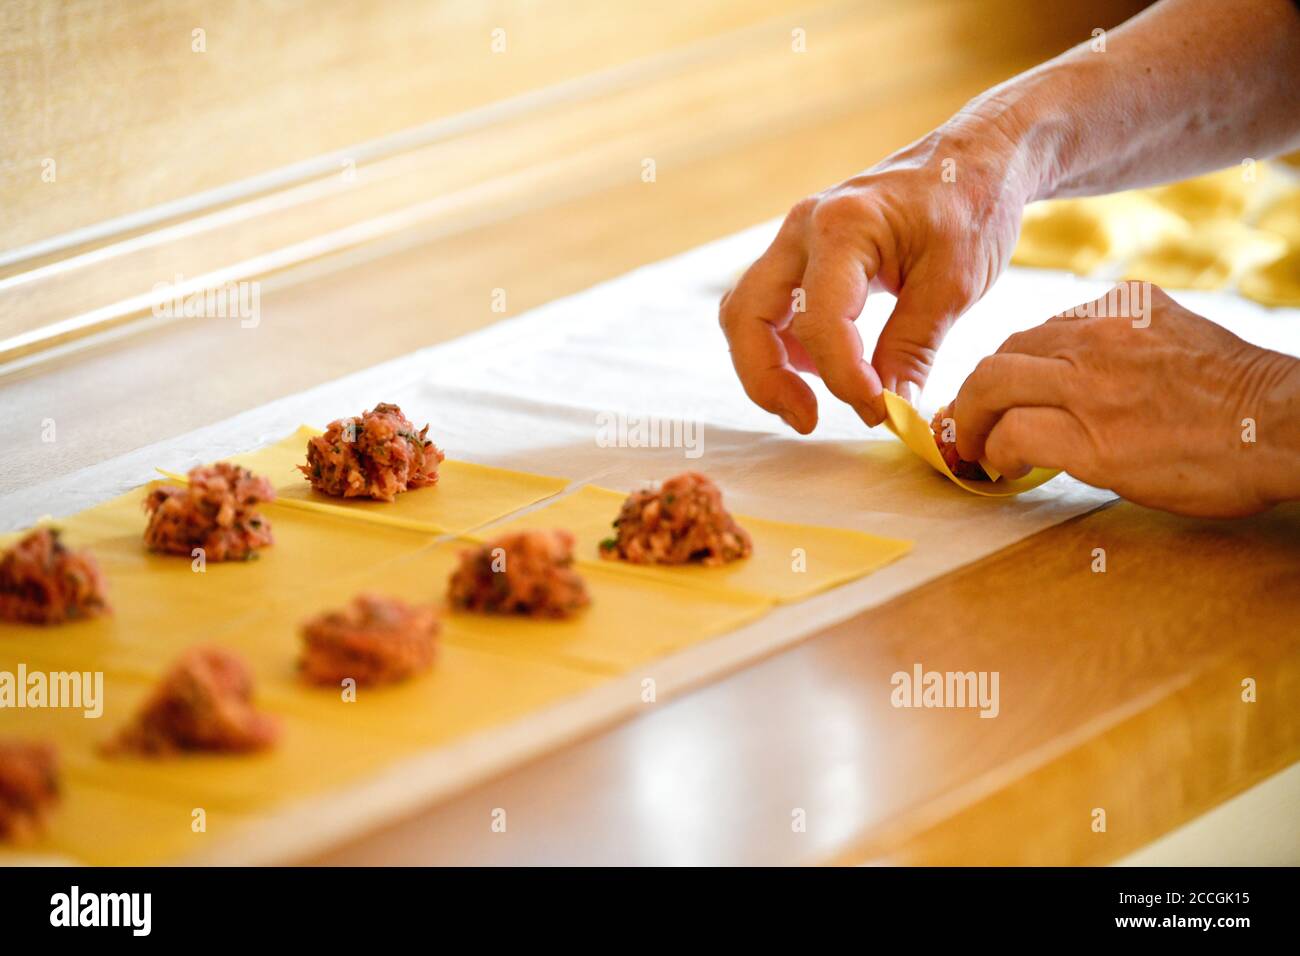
(1070, 383)
(984, 374)
(1004, 443)
(810, 331)
(1104, 460)
(1156, 291)
(805, 206)
(964, 288)
(997, 452)
(1014, 429)
(912, 357)
(1098, 307)
(802, 211)
(836, 213)
(1014, 343)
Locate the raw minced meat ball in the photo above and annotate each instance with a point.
(29, 788)
(216, 511)
(970, 470)
(204, 703)
(376, 455)
(528, 572)
(44, 582)
(374, 640)
(681, 522)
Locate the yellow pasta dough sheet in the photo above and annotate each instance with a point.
(1212, 257)
(466, 496)
(491, 671)
(134, 810)
(789, 562)
(1236, 227)
(1229, 194)
(910, 426)
(1283, 217)
(1081, 235)
(98, 827)
(327, 737)
(1275, 284)
(474, 685)
(306, 759)
(630, 622)
(161, 601)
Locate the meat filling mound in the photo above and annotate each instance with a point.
(529, 573)
(374, 640)
(29, 788)
(682, 522)
(216, 511)
(969, 470)
(204, 703)
(378, 454)
(44, 582)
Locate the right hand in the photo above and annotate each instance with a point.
(1137, 394)
(934, 224)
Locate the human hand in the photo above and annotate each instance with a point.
(933, 224)
(1152, 401)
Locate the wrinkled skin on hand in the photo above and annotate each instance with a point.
(1154, 408)
(934, 224)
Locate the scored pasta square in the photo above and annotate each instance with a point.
(306, 760)
(466, 496)
(629, 622)
(161, 602)
(789, 561)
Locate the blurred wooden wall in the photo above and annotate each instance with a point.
(228, 140)
(118, 94)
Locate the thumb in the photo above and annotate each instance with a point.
(910, 339)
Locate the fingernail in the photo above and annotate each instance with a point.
(788, 418)
(906, 391)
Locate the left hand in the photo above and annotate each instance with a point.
(1152, 404)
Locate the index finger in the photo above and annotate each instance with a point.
(835, 286)
(1000, 383)
(752, 315)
